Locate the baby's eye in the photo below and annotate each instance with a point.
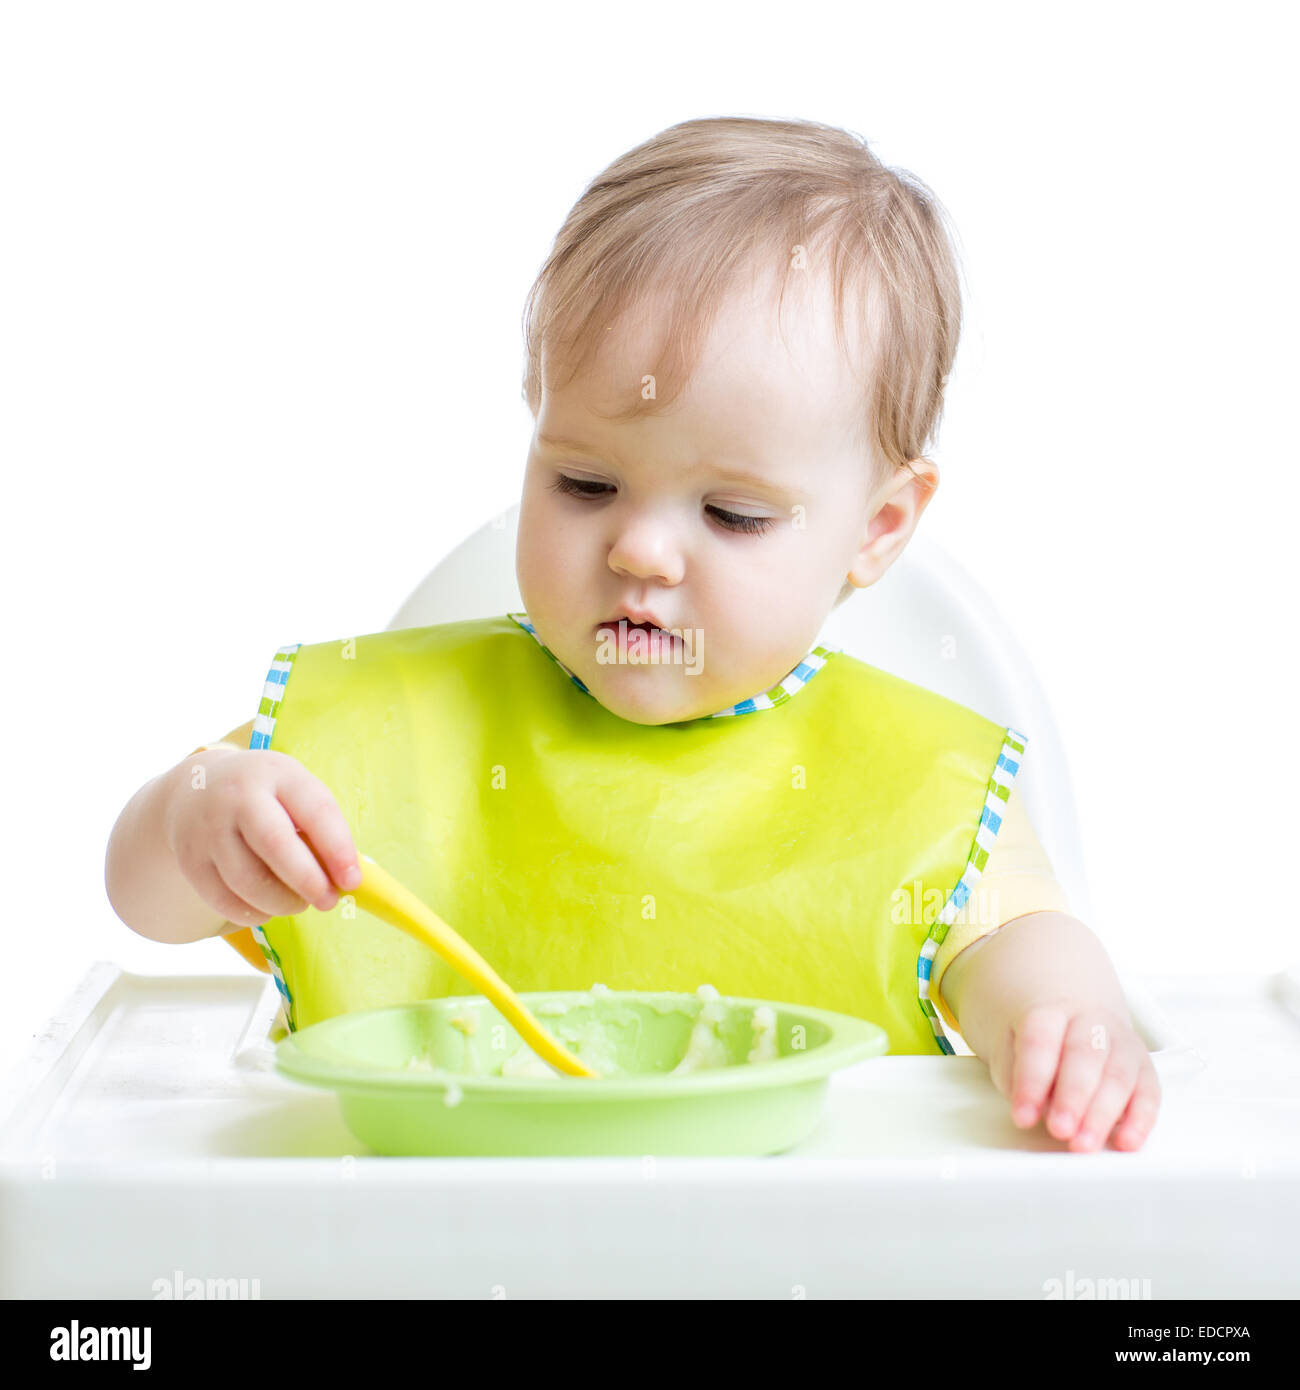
(578, 486)
(733, 521)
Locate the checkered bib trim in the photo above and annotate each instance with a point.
(995, 805)
(263, 728)
(778, 694)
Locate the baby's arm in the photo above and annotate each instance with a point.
(1039, 1001)
(144, 882)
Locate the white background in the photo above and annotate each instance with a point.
(261, 279)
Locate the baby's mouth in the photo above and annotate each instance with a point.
(645, 627)
(620, 626)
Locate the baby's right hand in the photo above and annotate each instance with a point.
(238, 839)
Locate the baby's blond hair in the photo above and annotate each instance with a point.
(688, 212)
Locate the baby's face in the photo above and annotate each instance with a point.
(734, 517)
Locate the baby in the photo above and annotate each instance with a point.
(658, 773)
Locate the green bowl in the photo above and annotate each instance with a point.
(427, 1078)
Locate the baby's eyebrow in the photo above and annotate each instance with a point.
(554, 441)
(734, 475)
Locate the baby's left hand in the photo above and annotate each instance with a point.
(1083, 1068)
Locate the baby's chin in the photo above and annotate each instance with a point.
(648, 696)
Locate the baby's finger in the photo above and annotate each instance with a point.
(214, 891)
(1001, 1060)
(1108, 1102)
(1037, 1052)
(317, 815)
(247, 874)
(1139, 1117)
(1088, 1048)
(273, 838)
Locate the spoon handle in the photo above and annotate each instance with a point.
(380, 894)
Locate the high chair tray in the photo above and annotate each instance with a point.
(146, 1142)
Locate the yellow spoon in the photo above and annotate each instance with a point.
(380, 894)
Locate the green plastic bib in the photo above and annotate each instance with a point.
(810, 849)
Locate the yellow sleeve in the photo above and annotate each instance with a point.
(1017, 879)
(241, 938)
(237, 738)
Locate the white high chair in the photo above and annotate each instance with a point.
(926, 621)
